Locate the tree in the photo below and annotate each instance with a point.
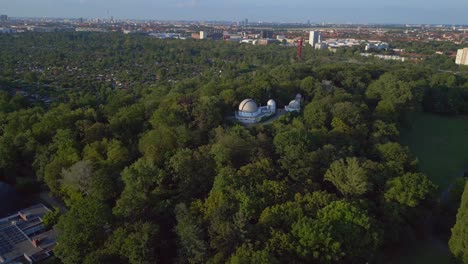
(232, 147)
(310, 85)
(295, 147)
(207, 113)
(65, 155)
(134, 242)
(348, 176)
(128, 122)
(458, 242)
(138, 197)
(411, 189)
(393, 94)
(82, 230)
(341, 233)
(193, 172)
(158, 144)
(51, 217)
(78, 176)
(192, 245)
(246, 254)
(397, 159)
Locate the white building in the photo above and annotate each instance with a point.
(462, 57)
(376, 46)
(250, 113)
(202, 35)
(314, 38)
(294, 105)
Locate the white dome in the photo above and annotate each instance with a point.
(248, 106)
(298, 97)
(295, 104)
(271, 102)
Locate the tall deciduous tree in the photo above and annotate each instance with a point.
(459, 240)
(411, 189)
(138, 196)
(78, 176)
(348, 176)
(82, 230)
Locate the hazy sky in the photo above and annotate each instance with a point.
(343, 11)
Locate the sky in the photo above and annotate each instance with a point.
(334, 11)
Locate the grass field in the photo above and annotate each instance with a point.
(441, 145)
(423, 251)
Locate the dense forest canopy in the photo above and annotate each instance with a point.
(134, 135)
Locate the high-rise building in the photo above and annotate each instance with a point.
(314, 38)
(462, 57)
(202, 34)
(266, 34)
(3, 18)
(246, 22)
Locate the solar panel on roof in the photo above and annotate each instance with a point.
(9, 237)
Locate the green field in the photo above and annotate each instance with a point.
(441, 145)
(421, 251)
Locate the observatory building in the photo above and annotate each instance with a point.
(294, 105)
(250, 113)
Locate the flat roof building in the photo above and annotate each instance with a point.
(202, 34)
(24, 238)
(462, 57)
(314, 38)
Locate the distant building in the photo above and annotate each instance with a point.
(5, 30)
(314, 38)
(42, 29)
(3, 18)
(129, 31)
(320, 46)
(24, 238)
(376, 46)
(265, 42)
(294, 105)
(195, 36)
(90, 29)
(250, 113)
(385, 57)
(203, 35)
(462, 57)
(266, 34)
(281, 37)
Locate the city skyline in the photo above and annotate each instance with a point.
(340, 11)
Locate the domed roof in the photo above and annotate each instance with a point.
(271, 102)
(248, 106)
(298, 97)
(295, 104)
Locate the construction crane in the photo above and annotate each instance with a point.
(299, 48)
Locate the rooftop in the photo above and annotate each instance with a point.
(24, 238)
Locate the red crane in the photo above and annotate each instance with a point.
(299, 48)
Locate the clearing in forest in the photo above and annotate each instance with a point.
(441, 145)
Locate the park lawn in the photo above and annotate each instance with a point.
(426, 252)
(441, 145)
